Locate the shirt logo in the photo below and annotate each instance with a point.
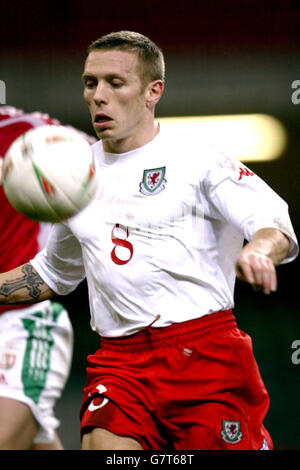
(153, 181)
(245, 172)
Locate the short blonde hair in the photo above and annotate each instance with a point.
(150, 55)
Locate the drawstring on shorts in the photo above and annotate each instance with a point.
(155, 333)
(176, 335)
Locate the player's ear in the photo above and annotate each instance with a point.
(153, 93)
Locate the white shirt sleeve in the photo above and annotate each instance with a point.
(60, 264)
(237, 195)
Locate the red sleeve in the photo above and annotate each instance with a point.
(18, 234)
(12, 126)
(9, 133)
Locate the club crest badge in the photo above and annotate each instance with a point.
(153, 181)
(7, 360)
(231, 431)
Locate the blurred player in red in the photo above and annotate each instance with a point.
(36, 341)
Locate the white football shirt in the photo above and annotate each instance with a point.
(161, 236)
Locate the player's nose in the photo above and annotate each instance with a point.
(100, 95)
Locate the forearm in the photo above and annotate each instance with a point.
(269, 242)
(23, 285)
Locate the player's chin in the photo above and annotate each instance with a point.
(104, 133)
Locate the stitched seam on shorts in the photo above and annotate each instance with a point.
(242, 368)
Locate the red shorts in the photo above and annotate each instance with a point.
(188, 386)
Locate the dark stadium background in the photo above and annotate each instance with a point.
(222, 58)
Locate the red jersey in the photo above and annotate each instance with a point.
(20, 237)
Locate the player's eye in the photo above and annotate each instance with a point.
(90, 83)
(116, 83)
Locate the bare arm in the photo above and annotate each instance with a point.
(23, 285)
(256, 262)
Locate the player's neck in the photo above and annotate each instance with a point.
(137, 139)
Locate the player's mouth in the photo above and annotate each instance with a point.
(101, 120)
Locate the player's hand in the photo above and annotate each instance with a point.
(257, 269)
(257, 260)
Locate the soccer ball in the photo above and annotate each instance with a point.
(49, 173)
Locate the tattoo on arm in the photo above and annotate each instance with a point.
(30, 281)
